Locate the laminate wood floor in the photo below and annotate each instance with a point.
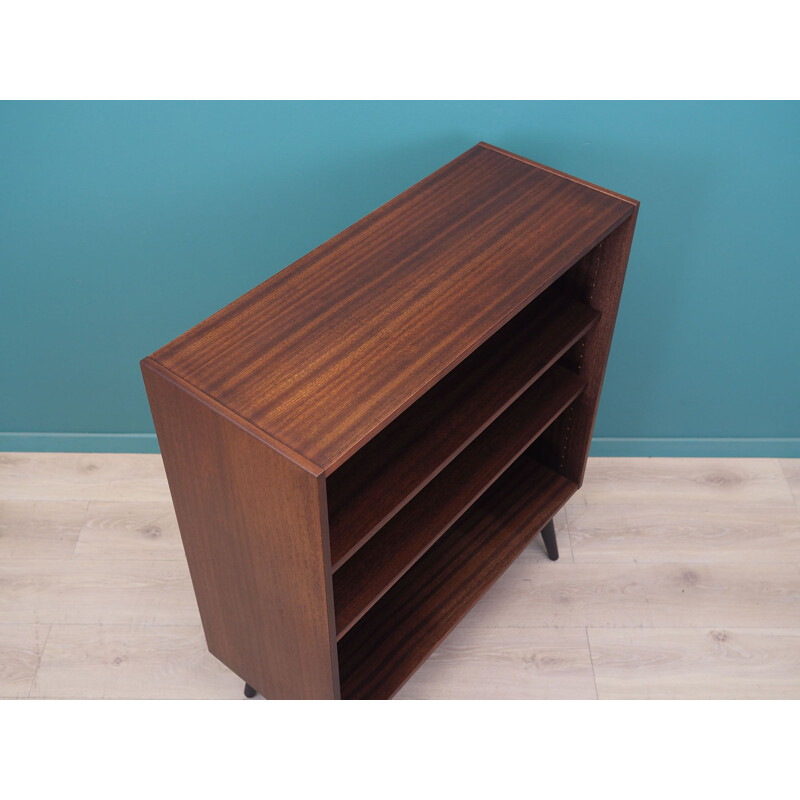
(678, 578)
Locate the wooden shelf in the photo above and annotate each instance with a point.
(358, 447)
(375, 567)
(380, 653)
(377, 482)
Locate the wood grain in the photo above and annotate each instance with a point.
(561, 174)
(642, 595)
(90, 591)
(20, 650)
(326, 353)
(376, 482)
(81, 476)
(254, 527)
(131, 662)
(136, 530)
(40, 529)
(506, 664)
(716, 663)
(685, 481)
(718, 533)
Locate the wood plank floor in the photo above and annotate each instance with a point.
(678, 578)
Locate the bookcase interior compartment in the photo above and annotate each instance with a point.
(372, 569)
(595, 280)
(397, 634)
(377, 481)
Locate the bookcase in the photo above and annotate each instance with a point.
(359, 447)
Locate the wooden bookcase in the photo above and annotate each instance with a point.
(358, 447)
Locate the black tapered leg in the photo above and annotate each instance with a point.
(249, 691)
(549, 539)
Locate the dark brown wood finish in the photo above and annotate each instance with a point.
(382, 652)
(377, 566)
(597, 280)
(377, 481)
(254, 529)
(358, 447)
(327, 352)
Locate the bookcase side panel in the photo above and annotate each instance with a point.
(596, 280)
(254, 527)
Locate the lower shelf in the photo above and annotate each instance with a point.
(381, 652)
(372, 570)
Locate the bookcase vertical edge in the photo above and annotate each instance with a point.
(595, 279)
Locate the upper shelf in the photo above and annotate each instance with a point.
(398, 462)
(323, 355)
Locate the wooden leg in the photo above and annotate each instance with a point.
(549, 539)
(249, 691)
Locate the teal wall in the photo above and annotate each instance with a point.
(122, 224)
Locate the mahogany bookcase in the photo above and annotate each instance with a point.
(357, 448)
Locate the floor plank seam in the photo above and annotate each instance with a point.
(39, 660)
(82, 526)
(787, 480)
(569, 536)
(591, 661)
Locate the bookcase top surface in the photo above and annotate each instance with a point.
(324, 354)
